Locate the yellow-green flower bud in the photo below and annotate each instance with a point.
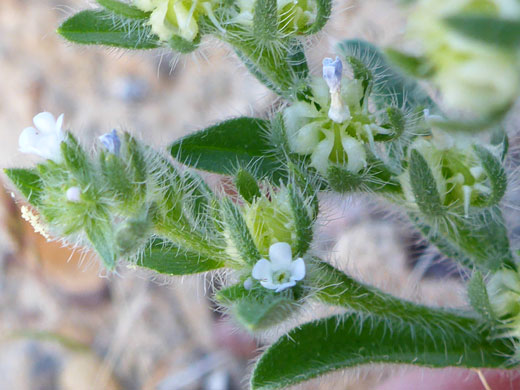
(270, 219)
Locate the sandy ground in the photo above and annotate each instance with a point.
(64, 324)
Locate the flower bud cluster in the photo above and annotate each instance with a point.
(461, 178)
(472, 75)
(335, 127)
(181, 18)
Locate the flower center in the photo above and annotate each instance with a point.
(281, 277)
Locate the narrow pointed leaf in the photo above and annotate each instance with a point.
(100, 27)
(166, 258)
(495, 172)
(478, 297)
(322, 16)
(351, 340)
(225, 146)
(424, 186)
(28, 182)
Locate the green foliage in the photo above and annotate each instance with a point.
(100, 235)
(495, 172)
(478, 297)
(239, 235)
(265, 20)
(424, 186)
(257, 309)
(377, 177)
(100, 27)
(302, 220)
(247, 186)
(323, 15)
(350, 340)
(283, 69)
(492, 30)
(167, 258)
(226, 145)
(181, 45)
(28, 182)
(123, 9)
(389, 85)
(412, 65)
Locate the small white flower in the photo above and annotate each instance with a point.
(45, 139)
(74, 194)
(280, 271)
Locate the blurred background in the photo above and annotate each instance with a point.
(66, 325)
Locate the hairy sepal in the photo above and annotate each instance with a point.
(28, 182)
(390, 87)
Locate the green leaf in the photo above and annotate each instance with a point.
(100, 235)
(412, 65)
(495, 172)
(396, 122)
(348, 341)
(76, 160)
(480, 239)
(229, 144)
(282, 68)
(259, 308)
(499, 139)
(478, 297)
(376, 178)
(100, 27)
(166, 258)
(495, 31)
(239, 233)
(302, 220)
(28, 182)
(123, 9)
(247, 186)
(181, 45)
(424, 186)
(322, 16)
(390, 86)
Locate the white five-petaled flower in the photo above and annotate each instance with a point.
(332, 70)
(280, 271)
(45, 138)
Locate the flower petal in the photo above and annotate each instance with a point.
(269, 284)
(59, 124)
(262, 270)
(320, 156)
(298, 269)
(357, 159)
(45, 122)
(283, 286)
(28, 139)
(280, 255)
